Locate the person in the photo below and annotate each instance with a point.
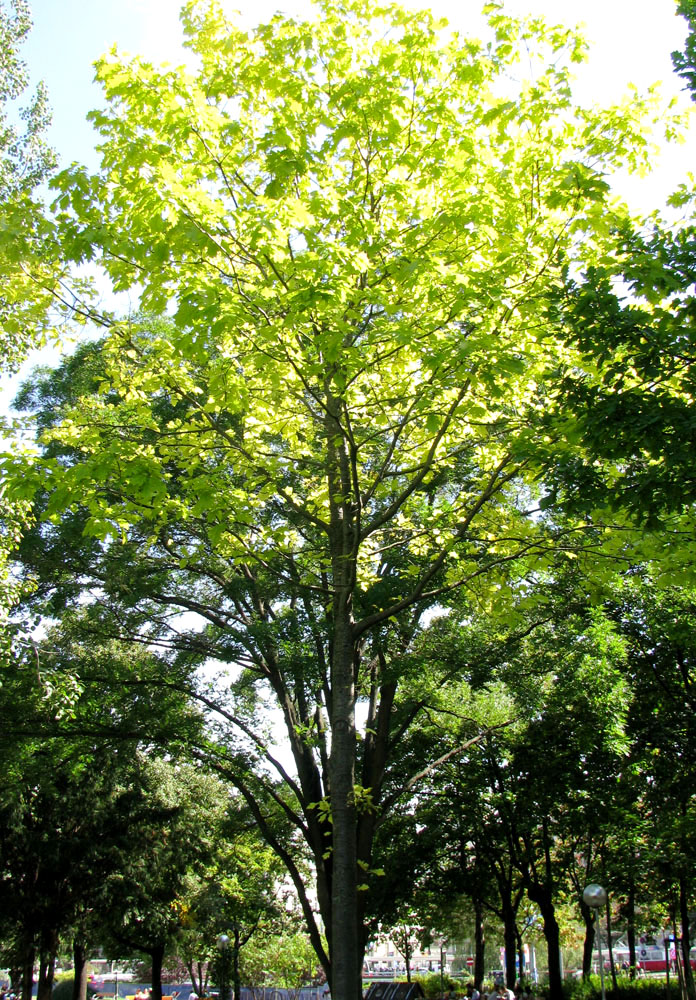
(502, 992)
(471, 992)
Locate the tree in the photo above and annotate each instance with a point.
(542, 809)
(632, 319)
(357, 233)
(174, 818)
(25, 160)
(28, 272)
(516, 813)
(658, 625)
(685, 62)
(286, 960)
(405, 936)
(74, 719)
(240, 895)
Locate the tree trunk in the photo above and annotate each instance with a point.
(157, 956)
(520, 955)
(79, 971)
(345, 968)
(15, 980)
(47, 963)
(631, 930)
(346, 954)
(44, 985)
(479, 946)
(236, 977)
(28, 971)
(553, 943)
(510, 941)
(552, 935)
(610, 947)
(588, 918)
(195, 979)
(685, 940)
(203, 979)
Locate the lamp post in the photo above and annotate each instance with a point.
(223, 943)
(595, 896)
(442, 967)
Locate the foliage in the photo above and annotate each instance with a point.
(658, 626)
(432, 984)
(239, 893)
(360, 241)
(174, 819)
(287, 961)
(511, 813)
(75, 728)
(633, 320)
(685, 62)
(639, 989)
(631, 316)
(28, 269)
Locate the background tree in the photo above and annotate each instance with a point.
(658, 625)
(174, 819)
(632, 319)
(510, 817)
(74, 716)
(685, 62)
(287, 960)
(25, 161)
(239, 894)
(26, 272)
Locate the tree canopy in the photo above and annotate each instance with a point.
(345, 403)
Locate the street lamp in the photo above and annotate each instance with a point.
(595, 896)
(223, 943)
(442, 968)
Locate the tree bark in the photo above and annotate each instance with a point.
(157, 957)
(631, 929)
(79, 971)
(236, 977)
(552, 936)
(345, 968)
(479, 946)
(28, 971)
(346, 954)
(47, 963)
(685, 940)
(510, 941)
(520, 954)
(588, 918)
(610, 949)
(197, 980)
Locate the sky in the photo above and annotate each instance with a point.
(631, 42)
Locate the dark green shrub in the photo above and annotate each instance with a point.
(64, 989)
(432, 984)
(626, 989)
